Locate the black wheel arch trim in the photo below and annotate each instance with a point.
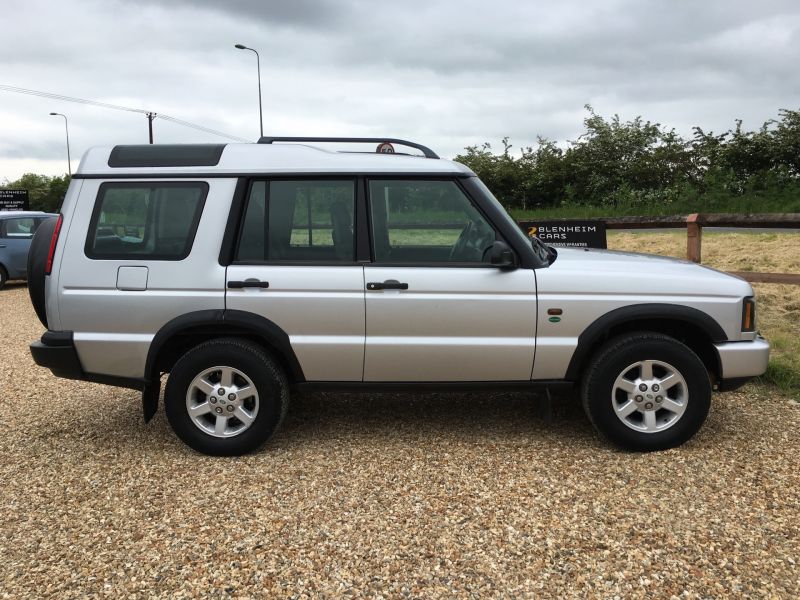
(216, 322)
(595, 332)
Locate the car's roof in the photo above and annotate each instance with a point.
(235, 159)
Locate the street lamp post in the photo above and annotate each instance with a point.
(66, 128)
(258, 66)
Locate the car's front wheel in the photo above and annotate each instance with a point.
(646, 391)
(226, 397)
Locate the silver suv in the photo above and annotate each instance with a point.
(246, 271)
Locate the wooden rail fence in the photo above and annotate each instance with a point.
(693, 223)
(694, 233)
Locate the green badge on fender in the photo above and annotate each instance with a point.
(554, 319)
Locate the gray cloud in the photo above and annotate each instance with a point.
(296, 13)
(448, 74)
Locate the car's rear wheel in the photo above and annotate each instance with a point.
(226, 397)
(646, 391)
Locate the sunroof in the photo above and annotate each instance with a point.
(166, 155)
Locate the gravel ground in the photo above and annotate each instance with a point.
(382, 496)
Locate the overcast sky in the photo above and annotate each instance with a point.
(446, 74)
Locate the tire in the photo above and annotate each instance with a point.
(200, 370)
(37, 261)
(669, 409)
(3, 277)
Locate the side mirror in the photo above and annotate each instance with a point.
(501, 256)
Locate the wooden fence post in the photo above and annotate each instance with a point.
(694, 238)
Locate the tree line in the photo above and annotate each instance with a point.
(641, 166)
(615, 166)
(44, 192)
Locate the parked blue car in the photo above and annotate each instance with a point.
(16, 232)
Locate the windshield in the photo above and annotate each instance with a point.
(502, 210)
(545, 253)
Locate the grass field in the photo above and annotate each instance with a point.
(778, 305)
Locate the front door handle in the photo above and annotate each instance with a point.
(390, 284)
(250, 283)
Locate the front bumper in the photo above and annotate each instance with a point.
(56, 351)
(741, 361)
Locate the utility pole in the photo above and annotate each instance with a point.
(150, 117)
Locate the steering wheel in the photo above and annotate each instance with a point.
(473, 242)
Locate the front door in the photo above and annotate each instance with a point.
(435, 309)
(295, 266)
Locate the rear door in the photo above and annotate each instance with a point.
(436, 310)
(295, 265)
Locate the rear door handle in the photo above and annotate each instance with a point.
(250, 283)
(390, 284)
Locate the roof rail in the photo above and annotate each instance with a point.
(353, 140)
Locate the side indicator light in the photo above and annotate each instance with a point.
(749, 314)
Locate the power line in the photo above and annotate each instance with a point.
(200, 127)
(9, 88)
(61, 97)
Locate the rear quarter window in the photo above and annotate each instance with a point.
(145, 220)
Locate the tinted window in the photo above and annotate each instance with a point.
(309, 221)
(145, 220)
(426, 221)
(18, 228)
(166, 155)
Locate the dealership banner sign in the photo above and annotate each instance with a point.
(14, 200)
(574, 234)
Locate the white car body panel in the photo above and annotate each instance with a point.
(452, 324)
(279, 159)
(587, 284)
(113, 327)
(320, 308)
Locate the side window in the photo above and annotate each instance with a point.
(426, 222)
(302, 220)
(157, 221)
(23, 228)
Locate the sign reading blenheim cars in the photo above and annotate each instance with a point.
(574, 234)
(14, 200)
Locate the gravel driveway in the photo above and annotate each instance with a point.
(383, 496)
